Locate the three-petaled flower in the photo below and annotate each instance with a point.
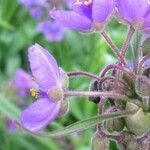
(136, 13)
(86, 15)
(52, 83)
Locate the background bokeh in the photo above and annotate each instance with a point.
(77, 51)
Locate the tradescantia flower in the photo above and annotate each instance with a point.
(51, 30)
(52, 82)
(86, 14)
(136, 13)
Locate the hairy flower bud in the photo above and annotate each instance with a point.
(94, 87)
(138, 123)
(64, 108)
(99, 143)
(115, 125)
(143, 86)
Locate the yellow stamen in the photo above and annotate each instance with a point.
(78, 3)
(88, 2)
(33, 92)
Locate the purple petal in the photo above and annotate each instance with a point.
(39, 114)
(36, 12)
(102, 10)
(30, 3)
(51, 30)
(11, 126)
(132, 10)
(44, 67)
(23, 80)
(71, 19)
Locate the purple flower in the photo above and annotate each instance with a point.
(31, 3)
(11, 126)
(36, 12)
(136, 13)
(86, 15)
(49, 78)
(23, 82)
(51, 30)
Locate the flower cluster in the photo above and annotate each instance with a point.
(93, 14)
(125, 88)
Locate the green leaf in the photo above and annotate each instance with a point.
(8, 108)
(82, 125)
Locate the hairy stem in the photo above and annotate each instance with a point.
(114, 47)
(127, 41)
(115, 66)
(84, 74)
(110, 94)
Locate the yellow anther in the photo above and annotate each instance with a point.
(88, 2)
(78, 3)
(33, 92)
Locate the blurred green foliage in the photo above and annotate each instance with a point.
(77, 51)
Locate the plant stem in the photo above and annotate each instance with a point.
(127, 41)
(113, 46)
(114, 66)
(110, 94)
(81, 73)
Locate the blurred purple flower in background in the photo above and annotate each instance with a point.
(11, 126)
(39, 10)
(52, 30)
(47, 75)
(136, 13)
(23, 82)
(86, 15)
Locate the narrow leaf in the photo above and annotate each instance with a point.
(81, 125)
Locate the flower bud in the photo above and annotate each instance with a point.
(115, 125)
(143, 86)
(55, 93)
(94, 87)
(64, 79)
(99, 143)
(138, 123)
(64, 108)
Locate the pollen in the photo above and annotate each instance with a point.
(88, 2)
(78, 3)
(33, 92)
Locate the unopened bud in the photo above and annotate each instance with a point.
(132, 144)
(115, 125)
(94, 87)
(64, 79)
(143, 86)
(99, 143)
(138, 123)
(55, 93)
(64, 108)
